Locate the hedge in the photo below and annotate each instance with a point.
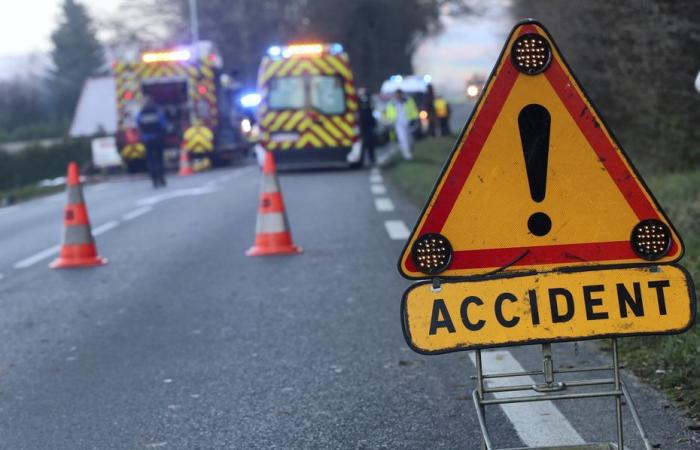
(36, 163)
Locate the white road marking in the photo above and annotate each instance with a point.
(374, 171)
(538, 424)
(383, 204)
(105, 227)
(138, 212)
(37, 257)
(378, 189)
(2, 276)
(176, 193)
(376, 178)
(397, 229)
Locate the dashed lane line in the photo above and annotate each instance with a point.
(383, 204)
(207, 188)
(396, 229)
(538, 424)
(138, 212)
(376, 178)
(105, 227)
(378, 189)
(37, 257)
(49, 252)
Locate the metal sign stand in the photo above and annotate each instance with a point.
(550, 390)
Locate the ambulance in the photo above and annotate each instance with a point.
(308, 110)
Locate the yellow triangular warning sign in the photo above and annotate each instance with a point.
(536, 181)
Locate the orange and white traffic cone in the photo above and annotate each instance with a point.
(272, 235)
(77, 246)
(185, 167)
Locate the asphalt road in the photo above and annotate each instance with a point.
(182, 342)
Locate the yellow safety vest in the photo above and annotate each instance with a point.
(409, 108)
(441, 108)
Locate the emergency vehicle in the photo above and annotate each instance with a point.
(197, 99)
(417, 87)
(308, 110)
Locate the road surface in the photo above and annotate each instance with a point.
(182, 342)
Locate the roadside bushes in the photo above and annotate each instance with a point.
(35, 163)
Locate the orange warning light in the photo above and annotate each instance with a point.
(302, 49)
(174, 55)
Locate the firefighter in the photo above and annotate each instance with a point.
(442, 111)
(153, 127)
(401, 111)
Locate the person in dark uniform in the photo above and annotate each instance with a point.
(429, 108)
(153, 127)
(367, 123)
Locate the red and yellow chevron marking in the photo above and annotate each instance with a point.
(198, 139)
(133, 151)
(325, 130)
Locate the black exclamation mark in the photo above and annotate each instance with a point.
(534, 121)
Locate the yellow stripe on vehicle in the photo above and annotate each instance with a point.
(207, 71)
(305, 66)
(305, 124)
(294, 120)
(323, 135)
(281, 118)
(308, 138)
(268, 118)
(286, 67)
(270, 71)
(342, 124)
(323, 65)
(339, 66)
(331, 127)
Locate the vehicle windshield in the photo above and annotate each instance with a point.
(286, 93)
(325, 93)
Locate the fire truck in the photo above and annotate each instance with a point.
(200, 102)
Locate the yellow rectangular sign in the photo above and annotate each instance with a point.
(550, 307)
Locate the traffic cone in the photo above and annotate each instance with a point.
(272, 235)
(77, 246)
(185, 167)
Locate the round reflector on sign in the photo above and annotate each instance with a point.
(531, 54)
(651, 239)
(431, 253)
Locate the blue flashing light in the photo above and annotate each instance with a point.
(396, 78)
(427, 78)
(250, 100)
(274, 51)
(336, 48)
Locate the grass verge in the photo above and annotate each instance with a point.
(668, 362)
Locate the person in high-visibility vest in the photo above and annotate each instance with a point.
(442, 111)
(401, 111)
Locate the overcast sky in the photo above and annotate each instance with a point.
(466, 46)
